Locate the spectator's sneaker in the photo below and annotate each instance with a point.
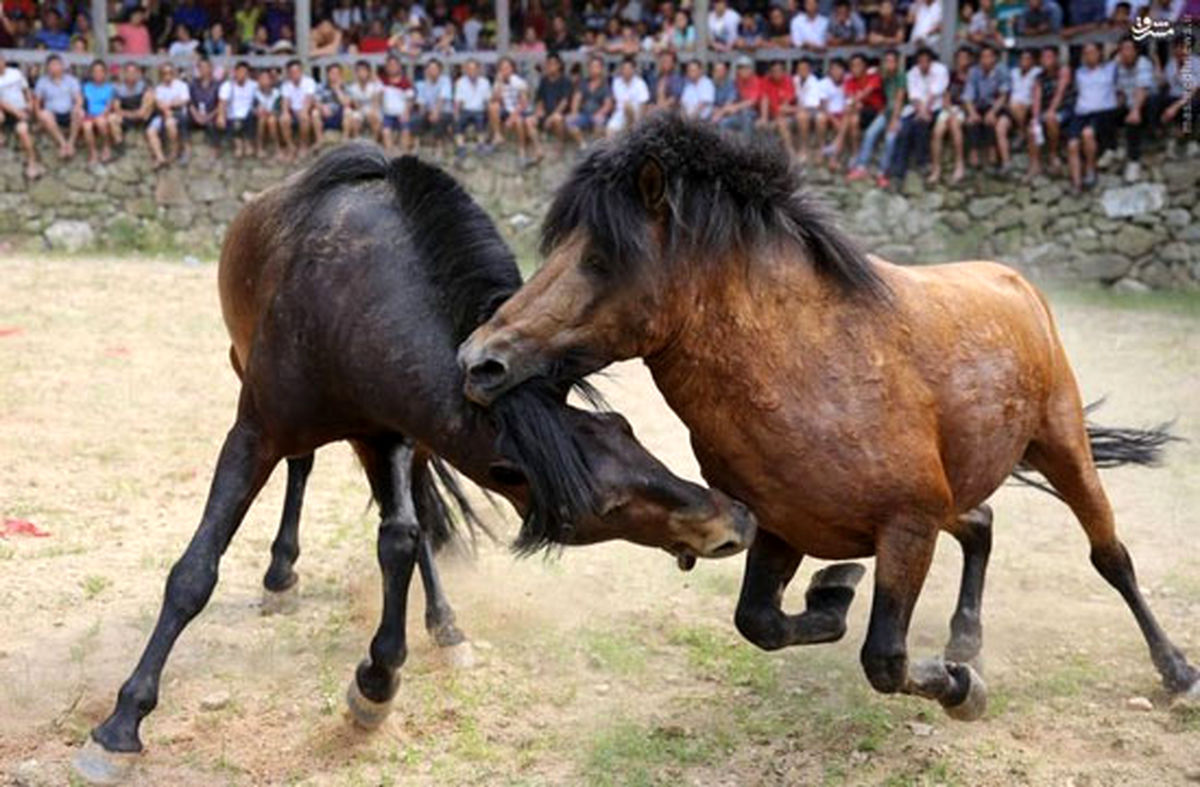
(1133, 172)
(184, 158)
(883, 182)
(856, 174)
(1193, 149)
(1107, 159)
(1172, 148)
(1089, 180)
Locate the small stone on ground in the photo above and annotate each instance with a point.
(215, 701)
(1139, 703)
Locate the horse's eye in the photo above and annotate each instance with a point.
(594, 263)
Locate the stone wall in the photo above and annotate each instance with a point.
(1142, 236)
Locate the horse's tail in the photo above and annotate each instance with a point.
(1113, 447)
(445, 505)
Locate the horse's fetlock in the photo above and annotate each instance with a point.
(761, 628)
(885, 671)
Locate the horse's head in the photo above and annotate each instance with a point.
(584, 478)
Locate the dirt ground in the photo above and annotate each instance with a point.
(604, 666)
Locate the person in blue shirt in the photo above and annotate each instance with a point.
(99, 116)
(191, 15)
(52, 35)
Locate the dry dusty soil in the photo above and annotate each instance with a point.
(605, 665)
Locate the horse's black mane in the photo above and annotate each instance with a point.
(725, 194)
(474, 272)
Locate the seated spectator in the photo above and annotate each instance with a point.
(299, 92)
(1182, 96)
(833, 107)
(625, 42)
(99, 118)
(59, 105)
(260, 44)
(810, 30)
(53, 35)
(778, 33)
(699, 95)
(1084, 15)
(215, 43)
(171, 98)
(750, 33)
(347, 15)
(375, 40)
(366, 96)
(925, 16)
(551, 104)
(235, 109)
(435, 103)
(630, 97)
(887, 29)
(592, 102)
(846, 28)
(983, 27)
(885, 122)
(741, 112)
(530, 43)
(135, 101)
(724, 88)
(325, 39)
(1053, 103)
(809, 90)
(561, 39)
(189, 14)
(986, 101)
(1021, 98)
(134, 34)
(951, 119)
(1091, 125)
(183, 45)
(863, 90)
(472, 91)
(329, 105)
(1040, 17)
(668, 82)
(16, 110)
(1121, 16)
(509, 105)
(723, 24)
(202, 107)
(683, 32)
(1138, 102)
(925, 90)
(268, 104)
(396, 101)
(777, 105)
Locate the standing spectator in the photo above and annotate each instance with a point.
(366, 97)
(723, 23)
(471, 93)
(741, 112)
(591, 104)
(1052, 108)
(887, 29)
(810, 118)
(810, 30)
(561, 39)
(299, 92)
(986, 101)
(509, 105)
(347, 15)
(1183, 96)
(551, 103)
(951, 119)
(329, 106)
(100, 118)
(698, 95)
(846, 27)
(235, 108)
(886, 122)
(268, 104)
(247, 19)
(777, 105)
(397, 100)
(202, 108)
(630, 96)
(59, 105)
(864, 102)
(134, 33)
(435, 103)
(1021, 99)
(925, 16)
(779, 31)
(668, 83)
(926, 86)
(1139, 105)
(1090, 128)
(16, 110)
(1039, 19)
(171, 97)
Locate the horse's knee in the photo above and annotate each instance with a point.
(398, 539)
(190, 584)
(885, 669)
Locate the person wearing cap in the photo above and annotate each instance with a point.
(740, 113)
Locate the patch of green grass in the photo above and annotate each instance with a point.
(719, 583)
(926, 774)
(93, 585)
(718, 657)
(636, 755)
(1066, 678)
(1185, 718)
(1175, 302)
(618, 652)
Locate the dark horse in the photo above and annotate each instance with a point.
(857, 407)
(346, 291)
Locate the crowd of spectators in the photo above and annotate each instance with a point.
(873, 114)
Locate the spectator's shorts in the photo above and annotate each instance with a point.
(946, 114)
(1101, 124)
(9, 121)
(334, 121)
(809, 112)
(132, 124)
(63, 119)
(396, 123)
(422, 124)
(741, 121)
(467, 118)
(584, 121)
(240, 127)
(181, 118)
(865, 116)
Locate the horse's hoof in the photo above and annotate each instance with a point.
(975, 703)
(460, 656)
(280, 602)
(364, 712)
(96, 765)
(1188, 699)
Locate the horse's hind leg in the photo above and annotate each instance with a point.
(1063, 455)
(376, 679)
(244, 465)
(770, 566)
(285, 549)
(973, 531)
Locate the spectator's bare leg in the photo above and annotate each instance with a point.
(285, 131)
(114, 128)
(318, 127)
(935, 151)
(32, 168)
(822, 132)
(376, 122)
(305, 134)
(494, 122)
(73, 133)
(783, 124)
(352, 125)
(1090, 149)
(260, 134)
(154, 142)
(1053, 130)
(1074, 163)
(956, 137)
(1004, 124)
(89, 137)
(50, 124)
(531, 133)
(172, 126)
(803, 121)
(104, 131)
(407, 143)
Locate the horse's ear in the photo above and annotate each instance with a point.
(652, 184)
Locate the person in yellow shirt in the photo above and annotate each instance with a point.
(247, 19)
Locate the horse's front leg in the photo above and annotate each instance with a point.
(904, 550)
(770, 565)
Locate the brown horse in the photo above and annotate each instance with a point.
(856, 406)
(345, 292)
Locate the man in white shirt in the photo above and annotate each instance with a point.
(925, 16)
(1091, 126)
(15, 106)
(723, 24)
(365, 95)
(235, 105)
(927, 83)
(698, 95)
(510, 104)
(171, 97)
(299, 91)
(630, 97)
(471, 93)
(810, 30)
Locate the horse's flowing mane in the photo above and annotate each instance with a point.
(473, 271)
(725, 196)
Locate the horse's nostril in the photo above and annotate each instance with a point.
(487, 372)
(729, 547)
